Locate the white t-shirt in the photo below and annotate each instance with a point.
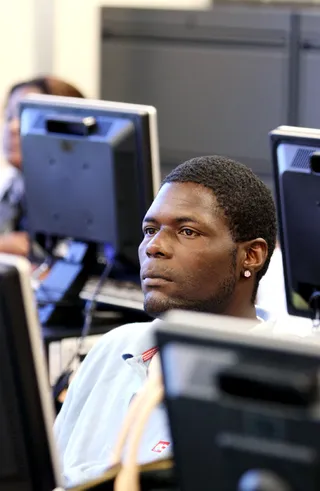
(97, 402)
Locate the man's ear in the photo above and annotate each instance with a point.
(255, 255)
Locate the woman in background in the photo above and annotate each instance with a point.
(13, 236)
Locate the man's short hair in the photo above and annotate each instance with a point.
(244, 199)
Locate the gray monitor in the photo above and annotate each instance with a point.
(91, 169)
(244, 408)
(296, 164)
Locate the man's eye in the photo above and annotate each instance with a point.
(149, 231)
(189, 233)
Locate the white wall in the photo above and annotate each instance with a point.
(16, 42)
(16, 46)
(26, 43)
(76, 35)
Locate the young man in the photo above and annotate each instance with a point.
(208, 239)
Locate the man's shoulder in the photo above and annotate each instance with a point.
(129, 329)
(127, 334)
(284, 326)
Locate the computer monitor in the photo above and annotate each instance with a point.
(243, 407)
(91, 169)
(28, 459)
(296, 163)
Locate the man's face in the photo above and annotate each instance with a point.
(188, 258)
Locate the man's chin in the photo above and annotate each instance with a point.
(156, 304)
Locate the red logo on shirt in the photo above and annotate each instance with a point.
(161, 446)
(147, 355)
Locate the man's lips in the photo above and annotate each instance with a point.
(155, 279)
(156, 276)
(155, 282)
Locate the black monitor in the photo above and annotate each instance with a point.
(91, 169)
(296, 163)
(28, 461)
(243, 409)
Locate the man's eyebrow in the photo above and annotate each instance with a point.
(188, 219)
(150, 219)
(178, 220)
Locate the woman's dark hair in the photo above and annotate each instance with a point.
(48, 85)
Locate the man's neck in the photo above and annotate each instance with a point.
(242, 310)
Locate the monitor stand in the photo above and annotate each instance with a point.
(57, 296)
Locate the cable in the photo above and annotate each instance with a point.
(88, 311)
(62, 381)
(149, 398)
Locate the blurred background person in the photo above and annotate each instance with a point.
(13, 228)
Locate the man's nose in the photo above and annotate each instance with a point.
(160, 245)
